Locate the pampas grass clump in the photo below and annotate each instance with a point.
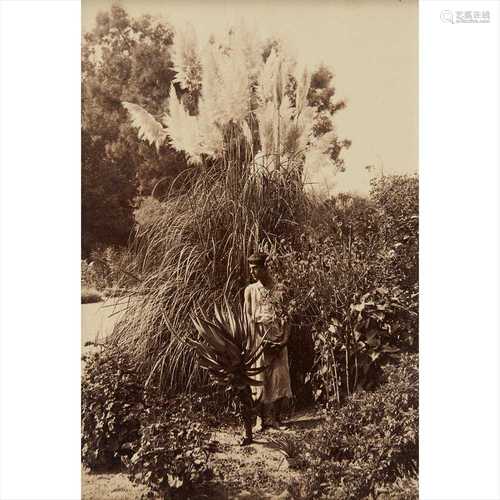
(194, 255)
(247, 138)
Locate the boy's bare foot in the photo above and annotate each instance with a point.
(259, 426)
(274, 424)
(246, 441)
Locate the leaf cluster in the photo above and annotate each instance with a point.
(112, 403)
(160, 440)
(369, 446)
(171, 456)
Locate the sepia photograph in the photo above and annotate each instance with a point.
(250, 249)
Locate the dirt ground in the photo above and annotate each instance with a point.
(99, 319)
(115, 486)
(255, 472)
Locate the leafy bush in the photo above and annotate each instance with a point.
(403, 487)
(90, 295)
(350, 355)
(90, 278)
(172, 454)
(370, 443)
(346, 332)
(161, 441)
(112, 402)
(110, 264)
(105, 269)
(397, 198)
(322, 279)
(352, 298)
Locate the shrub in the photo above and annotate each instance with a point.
(397, 198)
(375, 331)
(90, 295)
(172, 454)
(112, 402)
(403, 487)
(110, 269)
(322, 280)
(352, 297)
(161, 441)
(370, 443)
(89, 275)
(343, 331)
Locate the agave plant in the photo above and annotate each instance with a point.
(227, 350)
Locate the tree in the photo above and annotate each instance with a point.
(107, 190)
(122, 59)
(321, 97)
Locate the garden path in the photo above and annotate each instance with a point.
(255, 472)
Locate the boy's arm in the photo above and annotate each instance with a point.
(285, 325)
(248, 303)
(286, 333)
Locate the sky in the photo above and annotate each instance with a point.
(371, 46)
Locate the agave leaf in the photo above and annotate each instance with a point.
(220, 317)
(213, 368)
(231, 320)
(225, 358)
(210, 360)
(221, 323)
(251, 357)
(225, 354)
(223, 329)
(250, 381)
(242, 334)
(204, 353)
(223, 361)
(212, 337)
(224, 336)
(200, 348)
(256, 370)
(220, 379)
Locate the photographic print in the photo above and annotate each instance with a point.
(249, 265)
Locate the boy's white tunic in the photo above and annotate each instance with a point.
(276, 377)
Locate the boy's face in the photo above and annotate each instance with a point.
(257, 271)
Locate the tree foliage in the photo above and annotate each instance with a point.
(135, 61)
(122, 59)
